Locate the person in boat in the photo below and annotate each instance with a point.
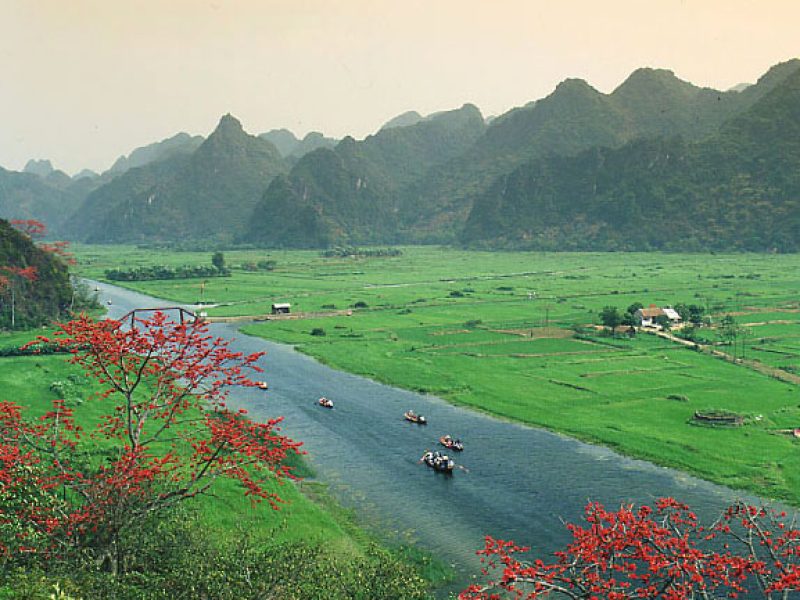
(411, 414)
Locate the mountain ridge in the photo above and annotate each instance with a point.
(738, 189)
(208, 193)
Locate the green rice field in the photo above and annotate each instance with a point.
(513, 334)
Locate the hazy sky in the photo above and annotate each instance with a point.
(84, 81)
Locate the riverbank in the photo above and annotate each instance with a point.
(310, 517)
(492, 331)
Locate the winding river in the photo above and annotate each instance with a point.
(521, 482)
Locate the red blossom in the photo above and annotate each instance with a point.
(30, 227)
(659, 553)
(36, 230)
(165, 386)
(28, 273)
(60, 249)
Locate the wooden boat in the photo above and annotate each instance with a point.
(410, 415)
(325, 402)
(451, 444)
(438, 462)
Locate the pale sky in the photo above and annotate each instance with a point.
(84, 81)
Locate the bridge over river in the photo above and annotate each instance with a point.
(521, 482)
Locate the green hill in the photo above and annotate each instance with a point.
(35, 302)
(737, 189)
(293, 148)
(180, 143)
(207, 194)
(30, 196)
(351, 194)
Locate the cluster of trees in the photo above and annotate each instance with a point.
(261, 265)
(34, 277)
(611, 316)
(734, 335)
(344, 251)
(156, 272)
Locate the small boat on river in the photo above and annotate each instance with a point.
(410, 415)
(262, 385)
(325, 402)
(451, 444)
(438, 461)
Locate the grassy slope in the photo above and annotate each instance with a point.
(415, 334)
(26, 380)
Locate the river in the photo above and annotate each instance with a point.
(521, 481)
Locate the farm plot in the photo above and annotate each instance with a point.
(523, 348)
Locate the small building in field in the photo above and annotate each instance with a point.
(671, 314)
(281, 308)
(647, 317)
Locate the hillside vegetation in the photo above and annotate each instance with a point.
(44, 299)
(738, 189)
(351, 194)
(207, 194)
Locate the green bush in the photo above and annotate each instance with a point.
(678, 397)
(266, 265)
(164, 272)
(177, 558)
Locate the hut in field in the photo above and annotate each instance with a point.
(281, 308)
(648, 317)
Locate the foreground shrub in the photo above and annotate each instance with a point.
(179, 559)
(166, 435)
(661, 552)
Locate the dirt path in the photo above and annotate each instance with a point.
(750, 364)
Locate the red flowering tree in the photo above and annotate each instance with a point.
(664, 553)
(166, 433)
(33, 228)
(36, 230)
